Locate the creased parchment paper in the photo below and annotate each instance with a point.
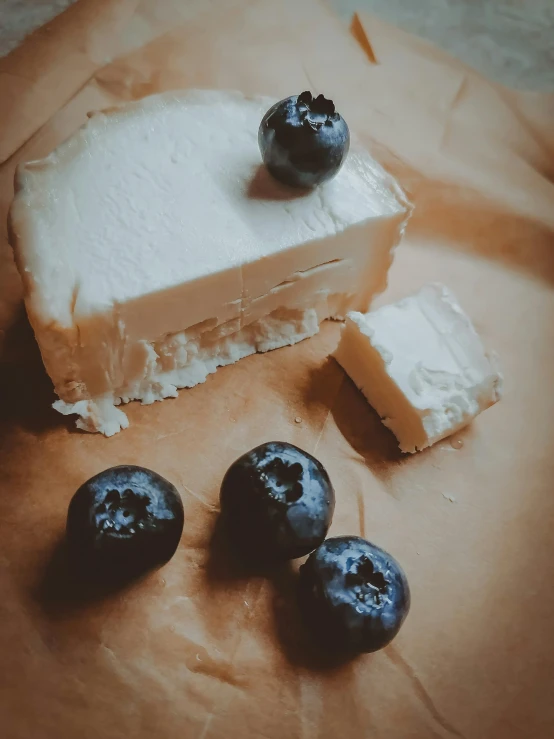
(202, 649)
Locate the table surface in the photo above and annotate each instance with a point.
(511, 41)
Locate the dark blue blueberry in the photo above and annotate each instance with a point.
(303, 140)
(354, 595)
(277, 502)
(124, 521)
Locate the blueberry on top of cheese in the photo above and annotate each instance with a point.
(154, 247)
(304, 141)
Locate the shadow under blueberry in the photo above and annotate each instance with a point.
(227, 566)
(263, 186)
(297, 637)
(63, 587)
(226, 562)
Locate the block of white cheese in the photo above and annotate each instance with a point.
(154, 248)
(421, 365)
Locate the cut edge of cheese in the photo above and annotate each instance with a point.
(421, 365)
(200, 356)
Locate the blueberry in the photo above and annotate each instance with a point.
(354, 595)
(277, 502)
(303, 140)
(124, 521)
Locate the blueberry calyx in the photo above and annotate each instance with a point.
(316, 112)
(121, 513)
(283, 480)
(366, 582)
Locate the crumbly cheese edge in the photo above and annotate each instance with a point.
(198, 359)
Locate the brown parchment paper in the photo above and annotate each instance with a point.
(202, 649)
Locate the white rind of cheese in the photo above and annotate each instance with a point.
(156, 224)
(421, 365)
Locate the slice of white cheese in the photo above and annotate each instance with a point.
(154, 248)
(421, 365)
